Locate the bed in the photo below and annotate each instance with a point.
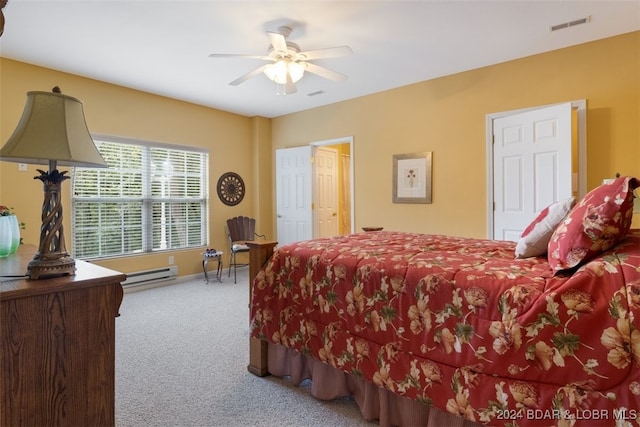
(444, 330)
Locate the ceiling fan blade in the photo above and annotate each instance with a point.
(278, 42)
(330, 52)
(247, 76)
(325, 72)
(239, 55)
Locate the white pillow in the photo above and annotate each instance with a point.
(535, 238)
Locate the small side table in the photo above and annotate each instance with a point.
(212, 256)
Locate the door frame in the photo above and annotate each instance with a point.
(336, 141)
(581, 109)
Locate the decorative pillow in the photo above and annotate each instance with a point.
(599, 221)
(535, 238)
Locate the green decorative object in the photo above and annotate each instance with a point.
(9, 235)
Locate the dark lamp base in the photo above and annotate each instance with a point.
(51, 265)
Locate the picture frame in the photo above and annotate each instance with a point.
(412, 177)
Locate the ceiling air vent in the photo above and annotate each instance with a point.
(318, 92)
(570, 24)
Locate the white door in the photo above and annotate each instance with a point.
(293, 195)
(325, 165)
(532, 166)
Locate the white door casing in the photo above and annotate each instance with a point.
(325, 205)
(531, 162)
(294, 219)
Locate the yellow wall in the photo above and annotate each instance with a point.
(447, 116)
(114, 110)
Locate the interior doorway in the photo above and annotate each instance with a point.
(535, 156)
(343, 187)
(297, 191)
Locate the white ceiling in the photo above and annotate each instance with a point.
(162, 46)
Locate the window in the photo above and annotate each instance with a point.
(151, 197)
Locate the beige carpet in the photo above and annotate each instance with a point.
(181, 357)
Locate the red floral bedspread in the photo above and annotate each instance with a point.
(462, 325)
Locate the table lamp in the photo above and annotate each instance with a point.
(53, 131)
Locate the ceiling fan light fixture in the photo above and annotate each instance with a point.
(277, 71)
(287, 64)
(296, 70)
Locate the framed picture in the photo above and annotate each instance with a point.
(412, 178)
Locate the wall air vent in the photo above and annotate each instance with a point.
(570, 24)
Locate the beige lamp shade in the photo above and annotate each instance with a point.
(52, 127)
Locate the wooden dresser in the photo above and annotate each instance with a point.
(57, 345)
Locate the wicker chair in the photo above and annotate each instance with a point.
(240, 230)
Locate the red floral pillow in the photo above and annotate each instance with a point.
(535, 238)
(601, 219)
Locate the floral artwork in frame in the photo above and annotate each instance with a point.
(412, 178)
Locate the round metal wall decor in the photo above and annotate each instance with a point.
(230, 188)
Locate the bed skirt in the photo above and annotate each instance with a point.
(328, 383)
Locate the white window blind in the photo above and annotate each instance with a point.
(150, 198)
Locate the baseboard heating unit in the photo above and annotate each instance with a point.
(151, 276)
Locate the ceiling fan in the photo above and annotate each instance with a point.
(287, 63)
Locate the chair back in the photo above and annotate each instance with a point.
(241, 229)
